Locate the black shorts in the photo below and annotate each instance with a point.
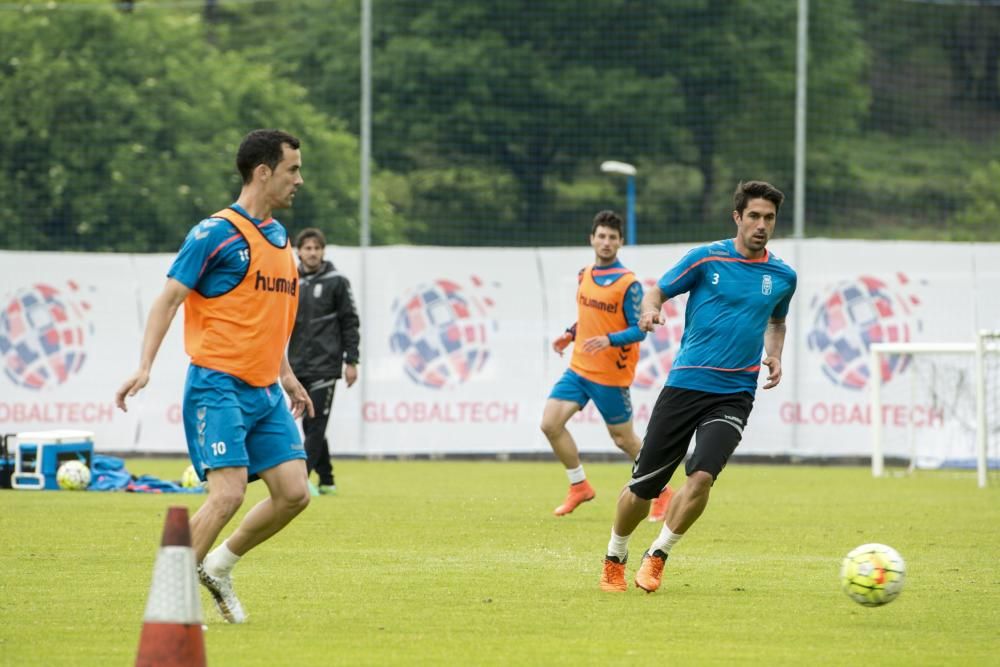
(717, 422)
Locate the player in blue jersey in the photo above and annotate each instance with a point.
(739, 295)
(235, 275)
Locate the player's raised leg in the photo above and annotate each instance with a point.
(289, 495)
(226, 490)
(557, 412)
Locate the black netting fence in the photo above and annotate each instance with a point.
(491, 120)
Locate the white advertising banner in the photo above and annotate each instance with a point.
(69, 326)
(452, 351)
(456, 346)
(854, 293)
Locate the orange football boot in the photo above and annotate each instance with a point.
(579, 493)
(650, 571)
(613, 576)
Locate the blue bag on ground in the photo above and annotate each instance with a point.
(151, 484)
(108, 473)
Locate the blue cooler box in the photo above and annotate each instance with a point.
(38, 455)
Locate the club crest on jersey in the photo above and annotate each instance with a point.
(766, 286)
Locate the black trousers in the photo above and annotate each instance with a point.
(317, 447)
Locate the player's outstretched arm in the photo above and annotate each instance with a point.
(774, 343)
(161, 314)
(650, 315)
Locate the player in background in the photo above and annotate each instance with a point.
(235, 275)
(324, 346)
(602, 366)
(739, 295)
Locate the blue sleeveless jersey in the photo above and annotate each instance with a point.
(730, 302)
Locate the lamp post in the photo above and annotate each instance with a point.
(613, 167)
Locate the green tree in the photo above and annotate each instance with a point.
(977, 220)
(483, 107)
(543, 93)
(120, 130)
(534, 95)
(735, 63)
(315, 43)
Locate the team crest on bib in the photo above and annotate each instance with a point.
(766, 285)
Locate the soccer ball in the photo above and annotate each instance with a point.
(73, 476)
(873, 574)
(189, 480)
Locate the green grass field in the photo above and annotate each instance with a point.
(462, 563)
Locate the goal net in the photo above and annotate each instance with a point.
(937, 405)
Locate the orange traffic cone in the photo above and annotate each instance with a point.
(171, 626)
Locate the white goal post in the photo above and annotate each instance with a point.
(985, 349)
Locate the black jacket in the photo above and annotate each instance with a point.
(326, 325)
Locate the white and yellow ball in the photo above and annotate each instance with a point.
(73, 476)
(873, 574)
(189, 479)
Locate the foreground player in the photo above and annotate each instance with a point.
(739, 296)
(236, 276)
(603, 366)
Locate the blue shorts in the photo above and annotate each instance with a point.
(229, 423)
(614, 403)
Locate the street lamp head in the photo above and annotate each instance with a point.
(611, 166)
(614, 167)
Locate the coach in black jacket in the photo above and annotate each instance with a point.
(324, 346)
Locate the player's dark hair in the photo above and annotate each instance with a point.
(608, 219)
(748, 190)
(262, 147)
(310, 233)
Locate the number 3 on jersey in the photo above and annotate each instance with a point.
(715, 278)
